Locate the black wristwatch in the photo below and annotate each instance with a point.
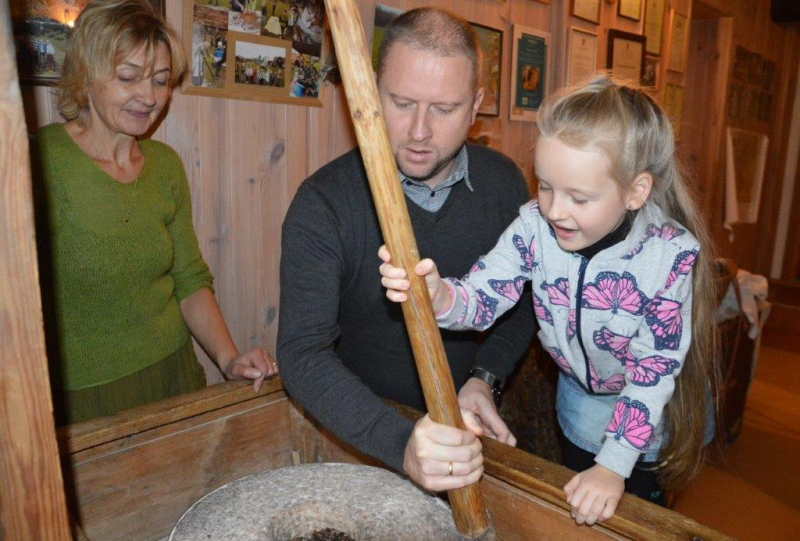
(490, 379)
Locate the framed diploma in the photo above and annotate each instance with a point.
(588, 10)
(654, 25)
(673, 106)
(678, 30)
(630, 9)
(581, 55)
(625, 55)
(530, 76)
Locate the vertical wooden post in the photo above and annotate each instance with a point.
(426, 341)
(32, 504)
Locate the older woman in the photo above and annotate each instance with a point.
(129, 283)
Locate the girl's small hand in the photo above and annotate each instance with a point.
(594, 494)
(396, 282)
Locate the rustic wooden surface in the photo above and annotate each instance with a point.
(32, 504)
(138, 485)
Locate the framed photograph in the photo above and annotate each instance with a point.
(678, 31)
(530, 61)
(673, 106)
(383, 16)
(652, 69)
(581, 55)
(745, 161)
(491, 68)
(40, 36)
(588, 10)
(625, 55)
(270, 50)
(654, 25)
(630, 9)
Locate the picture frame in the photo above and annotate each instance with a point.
(272, 54)
(383, 16)
(625, 55)
(673, 106)
(651, 74)
(491, 76)
(39, 32)
(678, 32)
(588, 10)
(530, 72)
(630, 9)
(581, 55)
(654, 11)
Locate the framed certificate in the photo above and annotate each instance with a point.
(654, 25)
(530, 75)
(678, 30)
(625, 55)
(581, 55)
(588, 10)
(673, 106)
(630, 9)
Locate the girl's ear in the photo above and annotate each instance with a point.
(638, 192)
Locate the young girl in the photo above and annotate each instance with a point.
(620, 265)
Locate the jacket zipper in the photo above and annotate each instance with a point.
(578, 302)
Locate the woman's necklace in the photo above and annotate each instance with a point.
(127, 216)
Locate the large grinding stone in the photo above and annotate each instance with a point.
(360, 501)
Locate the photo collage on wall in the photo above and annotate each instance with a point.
(268, 50)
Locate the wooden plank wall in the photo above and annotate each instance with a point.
(245, 160)
(753, 245)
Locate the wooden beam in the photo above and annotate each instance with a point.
(32, 503)
(426, 341)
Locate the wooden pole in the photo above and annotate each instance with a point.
(376, 150)
(32, 503)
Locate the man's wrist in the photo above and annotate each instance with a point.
(494, 383)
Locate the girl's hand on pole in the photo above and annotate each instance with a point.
(396, 282)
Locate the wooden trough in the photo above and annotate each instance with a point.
(132, 476)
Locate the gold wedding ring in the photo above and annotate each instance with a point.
(450, 469)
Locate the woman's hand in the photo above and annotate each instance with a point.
(256, 364)
(396, 282)
(594, 494)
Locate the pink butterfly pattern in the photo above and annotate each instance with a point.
(478, 265)
(631, 421)
(510, 289)
(572, 325)
(610, 291)
(665, 232)
(541, 311)
(485, 311)
(559, 358)
(616, 344)
(527, 253)
(682, 266)
(558, 291)
(647, 372)
(612, 384)
(663, 316)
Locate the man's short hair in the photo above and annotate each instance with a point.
(436, 30)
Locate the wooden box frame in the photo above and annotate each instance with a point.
(134, 474)
(613, 35)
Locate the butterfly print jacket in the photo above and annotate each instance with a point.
(618, 325)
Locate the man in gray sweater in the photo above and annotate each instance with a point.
(342, 346)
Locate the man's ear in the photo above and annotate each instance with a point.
(638, 192)
(477, 103)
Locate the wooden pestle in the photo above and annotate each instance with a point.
(373, 139)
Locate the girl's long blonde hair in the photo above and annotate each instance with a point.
(636, 136)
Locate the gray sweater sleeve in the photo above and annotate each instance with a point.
(312, 274)
(507, 342)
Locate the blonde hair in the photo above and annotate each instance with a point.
(106, 32)
(635, 135)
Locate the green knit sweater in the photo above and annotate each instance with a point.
(117, 285)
